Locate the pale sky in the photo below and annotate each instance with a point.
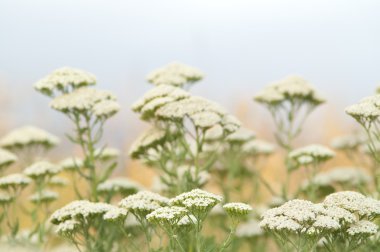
(240, 45)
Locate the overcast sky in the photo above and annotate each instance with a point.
(240, 45)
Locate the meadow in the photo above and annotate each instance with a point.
(209, 192)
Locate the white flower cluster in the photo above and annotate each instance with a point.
(71, 164)
(57, 181)
(354, 202)
(167, 216)
(42, 169)
(258, 147)
(339, 212)
(28, 136)
(241, 136)
(175, 74)
(107, 153)
(143, 203)
(291, 88)
(63, 79)
(306, 217)
(80, 210)
(67, 228)
(175, 104)
(115, 214)
(348, 142)
(5, 198)
(86, 100)
(157, 97)
(311, 154)
(249, 229)
(197, 201)
(237, 209)
(44, 196)
(124, 186)
(16, 181)
(367, 110)
(351, 176)
(363, 227)
(150, 140)
(6, 158)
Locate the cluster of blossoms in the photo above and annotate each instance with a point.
(348, 142)
(28, 136)
(291, 88)
(71, 164)
(180, 125)
(342, 176)
(88, 108)
(340, 215)
(166, 103)
(175, 74)
(311, 154)
(143, 203)
(80, 212)
(64, 80)
(102, 104)
(366, 111)
(120, 186)
(6, 159)
(289, 101)
(42, 169)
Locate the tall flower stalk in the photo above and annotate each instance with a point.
(88, 109)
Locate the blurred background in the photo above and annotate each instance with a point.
(240, 45)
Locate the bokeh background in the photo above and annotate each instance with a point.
(240, 45)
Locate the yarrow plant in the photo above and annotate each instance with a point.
(88, 109)
(290, 101)
(194, 145)
(180, 122)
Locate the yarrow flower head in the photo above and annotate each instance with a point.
(106, 154)
(345, 176)
(175, 74)
(355, 203)
(241, 136)
(167, 216)
(83, 100)
(143, 203)
(57, 181)
(292, 88)
(15, 181)
(366, 111)
(115, 214)
(197, 201)
(42, 169)
(45, 196)
(6, 198)
(363, 228)
(249, 229)
(348, 142)
(80, 210)
(237, 209)
(64, 80)
(311, 154)
(28, 136)
(122, 186)
(6, 158)
(150, 140)
(258, 147)
(67, 228)
(71, 164)
(170, 104)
